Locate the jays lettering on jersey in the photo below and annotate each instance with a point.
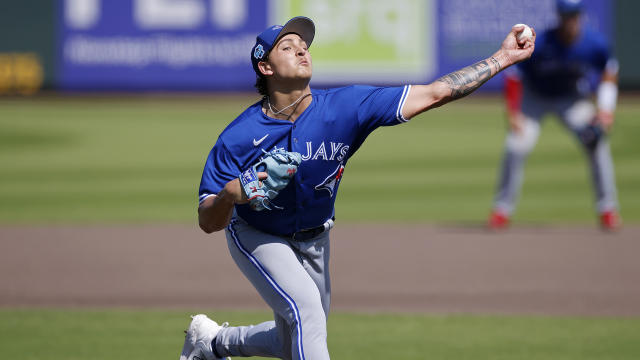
(556, 69)
(327, 134)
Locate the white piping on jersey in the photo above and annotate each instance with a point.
(328, 225)
(204, 197)
(403, 100)
(273, 283)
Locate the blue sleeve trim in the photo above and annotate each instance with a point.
(203, 197)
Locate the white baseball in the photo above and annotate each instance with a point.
(525, 34)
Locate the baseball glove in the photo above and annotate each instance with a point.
(280, 166)
(590, 135)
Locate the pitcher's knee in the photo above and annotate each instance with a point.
(304, 310)
(313, 319)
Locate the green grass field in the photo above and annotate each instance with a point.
(139, 159)
(155, 334)
(98, 160)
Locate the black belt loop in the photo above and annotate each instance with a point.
(307, 234)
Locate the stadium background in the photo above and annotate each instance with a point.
(108, 108)
(178, 45)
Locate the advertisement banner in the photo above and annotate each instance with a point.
(205, 44)
(158, 44)
(374, 41)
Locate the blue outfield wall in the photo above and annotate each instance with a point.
(205, 44)
(152, 44)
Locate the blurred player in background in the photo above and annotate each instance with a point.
(569, 61)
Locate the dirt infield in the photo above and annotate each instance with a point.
(557, 270)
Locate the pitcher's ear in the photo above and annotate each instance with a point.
(265, 68)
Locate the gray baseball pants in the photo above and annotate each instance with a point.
(575, 113)
(293, 279)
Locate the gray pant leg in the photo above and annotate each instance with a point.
(314, 256)
(284, 332)
(510, 183)
(577, 114)
(254, 340)
(516, 150)
(268, 339)
(277, 269)
(603, 176)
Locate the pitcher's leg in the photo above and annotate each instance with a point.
(275, 271)
(314, 255)
(283, 331)
(269, 339)
(253, 340)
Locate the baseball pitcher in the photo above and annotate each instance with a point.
(272, 178)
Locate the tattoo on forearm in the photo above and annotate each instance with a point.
(463, 82)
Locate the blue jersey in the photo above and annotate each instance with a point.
(559, 70)
(327, 134)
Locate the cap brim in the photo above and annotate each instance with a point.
(300, 25)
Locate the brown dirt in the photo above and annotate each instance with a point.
(441, 269)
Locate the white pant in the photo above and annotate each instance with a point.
(293, 279)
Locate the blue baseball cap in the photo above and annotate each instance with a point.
(569, 6)
(300, 25)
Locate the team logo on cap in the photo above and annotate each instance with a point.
(258, 53)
